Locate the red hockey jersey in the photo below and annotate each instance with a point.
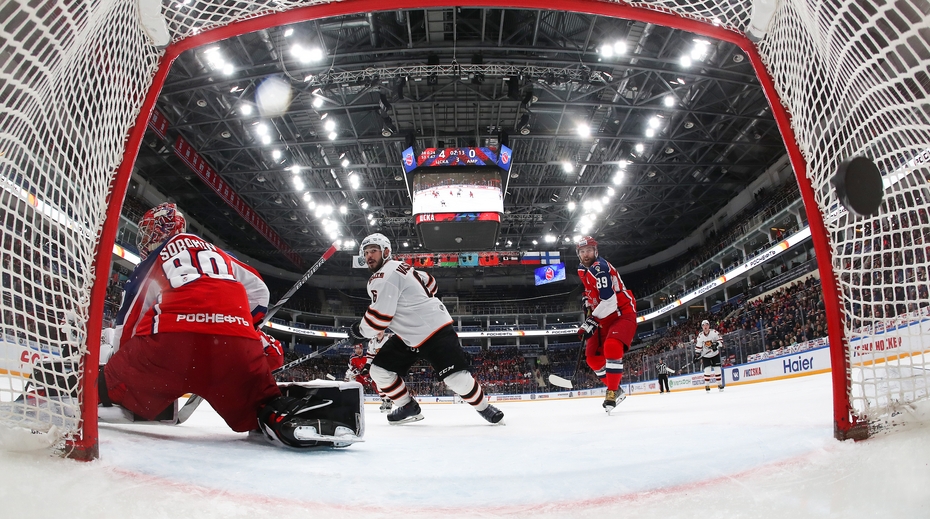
(604, 291)
(191, 285)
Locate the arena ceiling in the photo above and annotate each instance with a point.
(650, 129)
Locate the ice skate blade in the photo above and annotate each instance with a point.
(409, 419)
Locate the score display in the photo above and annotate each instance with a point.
(440, 157)
(457, 195)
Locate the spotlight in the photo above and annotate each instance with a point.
(387, 127)
(523, 126)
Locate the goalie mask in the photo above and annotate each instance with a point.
(158, 224)
(376, 239)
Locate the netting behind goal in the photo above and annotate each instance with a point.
(78, 80)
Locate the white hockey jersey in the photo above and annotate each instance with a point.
(402, 299)
(708, 345)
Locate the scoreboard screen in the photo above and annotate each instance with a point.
(457, 190)
(457, 195)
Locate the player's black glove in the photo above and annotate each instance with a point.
(587, 328)
(355, 331)
(713, 347)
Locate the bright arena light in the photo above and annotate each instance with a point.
(273, 97)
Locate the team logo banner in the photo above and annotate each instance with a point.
(472, 259)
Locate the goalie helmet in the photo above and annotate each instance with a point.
(157, 225)
(376, 239)
(587, 241)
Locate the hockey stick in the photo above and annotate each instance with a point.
(191, 405)
(300, 282)
(188, 408)
(556, 380)
(305, 358)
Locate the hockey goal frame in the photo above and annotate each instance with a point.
(696, 18)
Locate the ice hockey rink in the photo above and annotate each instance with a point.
(756, 450)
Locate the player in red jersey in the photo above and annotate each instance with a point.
(187, 326)
(610, 326)
(359, 365)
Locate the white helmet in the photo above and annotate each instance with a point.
(705, 321)
(376, 239)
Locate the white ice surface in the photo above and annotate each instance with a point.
(758, 450)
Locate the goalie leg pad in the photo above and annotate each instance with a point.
(300, 433)
(317, 413)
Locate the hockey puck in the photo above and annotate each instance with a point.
(858, 185)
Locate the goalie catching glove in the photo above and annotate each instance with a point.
(587, 328)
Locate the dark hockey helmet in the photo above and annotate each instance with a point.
(587, 241)
(158, 224)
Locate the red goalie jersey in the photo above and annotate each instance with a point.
(188, 272)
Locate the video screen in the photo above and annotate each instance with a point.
(457, 190)
(550, 274)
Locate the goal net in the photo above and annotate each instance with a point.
(78, 81)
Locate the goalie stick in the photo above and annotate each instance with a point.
(191, 405)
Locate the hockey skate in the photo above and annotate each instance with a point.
(410, 412)
(492, 414)
(386, 405)
(613, 398)
(707, 389)
(720, 387)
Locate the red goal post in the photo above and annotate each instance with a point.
(79, 81)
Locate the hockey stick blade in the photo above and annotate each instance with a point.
(188, 408)
(556, 380)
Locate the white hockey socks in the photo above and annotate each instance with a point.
(465, 385)
(390, 384)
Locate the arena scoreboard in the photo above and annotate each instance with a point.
(457, 196)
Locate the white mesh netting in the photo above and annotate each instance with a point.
(73, 76)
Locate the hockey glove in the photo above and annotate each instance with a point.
(274, 353)
(355, 332)
(586, 331)
(351, 373)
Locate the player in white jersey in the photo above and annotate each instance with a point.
(707, 346)
(402, 298)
